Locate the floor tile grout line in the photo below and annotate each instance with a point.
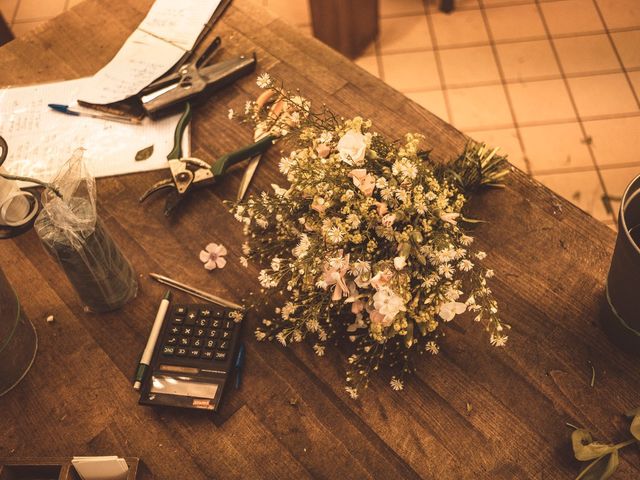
(510, 41)
(376, 49)
(579, 169)
(560, 121)
(33, 20)
(467, 8)
(15, 14)
(507, 94)
(573, 101)
(617, 53)
(438, 60)
(519, 81)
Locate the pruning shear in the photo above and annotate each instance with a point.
(189, 173)
(193, 77)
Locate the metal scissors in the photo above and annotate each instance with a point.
(276, 110)
(189, 173)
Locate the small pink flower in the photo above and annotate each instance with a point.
(363, 180)
(357, 306)
(323, 150)
(388, 220)
(381, 279)
(212, 256)
(382, 208)
(319, 204)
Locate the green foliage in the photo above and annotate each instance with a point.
(605, 457)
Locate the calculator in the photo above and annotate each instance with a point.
(193, 358)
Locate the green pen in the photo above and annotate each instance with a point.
(151, 342)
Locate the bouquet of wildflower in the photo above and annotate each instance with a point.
(367, 241)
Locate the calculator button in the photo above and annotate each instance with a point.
(223, 344)
(174, 330)
(187, 330)
(228, 324)
(191, 318)
(226, 335)
(178, 320)
(205, 313)
(168, 350)
(208, 354)
(202, 322)
(172, 340)
(199, 332)
(216, 323)
(212, 333)
(194, 352)
(197, 342)
(181, 352)
(184, 341)
(221, 355)
(219, 313)
(180, 310)
(210, 344)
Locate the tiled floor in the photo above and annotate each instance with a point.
(555, 83)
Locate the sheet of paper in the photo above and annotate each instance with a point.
(40, 140)
(101, 468)
(168, 31)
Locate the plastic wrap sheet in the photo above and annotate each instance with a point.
(72, 233)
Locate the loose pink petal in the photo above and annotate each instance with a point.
(220, 262)
(222, 250)
(211, 248)
(204, 256)
(210, 265)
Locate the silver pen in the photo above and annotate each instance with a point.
(194, 291)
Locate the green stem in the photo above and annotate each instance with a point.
(625, 444)
(19, 178)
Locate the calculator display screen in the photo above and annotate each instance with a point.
(182, 386)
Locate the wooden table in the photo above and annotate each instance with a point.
(292, 417)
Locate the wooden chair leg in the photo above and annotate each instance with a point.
(446, 6)
(6, 35)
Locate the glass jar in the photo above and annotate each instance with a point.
(18, 338)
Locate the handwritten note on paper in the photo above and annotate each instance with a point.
(41, 140)
(168, 31)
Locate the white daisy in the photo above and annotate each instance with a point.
(396, 384)
(432, 348)
(264, 80)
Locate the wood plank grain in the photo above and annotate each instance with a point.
(292, 418)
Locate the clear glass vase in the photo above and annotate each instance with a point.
(18, 338)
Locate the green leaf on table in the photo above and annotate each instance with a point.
(635, 427)
(601, 468)
(144, 153)
(584, 448)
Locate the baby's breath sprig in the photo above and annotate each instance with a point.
(366, 244)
